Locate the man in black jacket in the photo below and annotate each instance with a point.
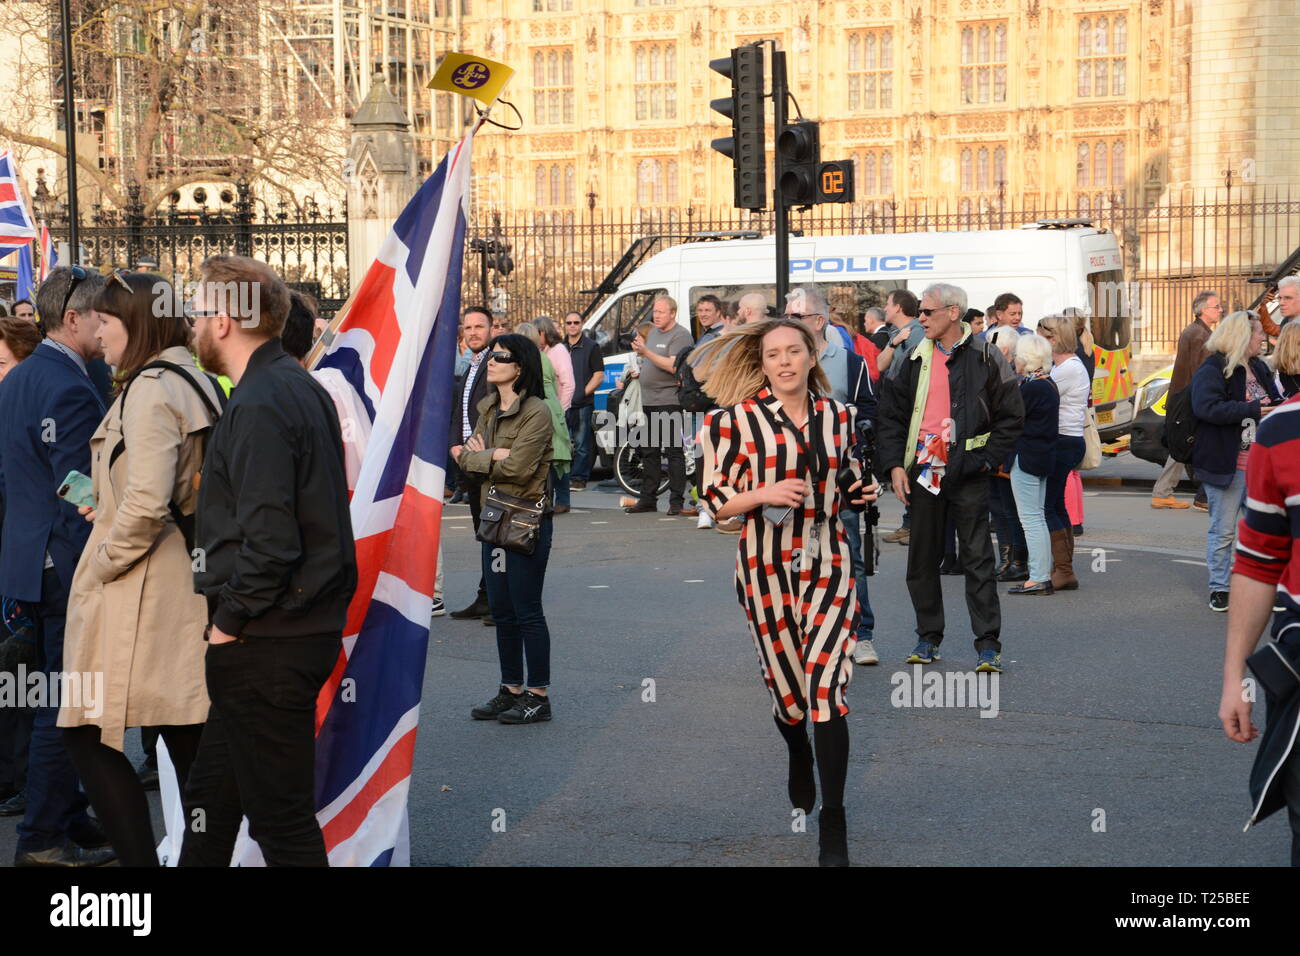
(276, 561)
(475, 325)
(949, 415)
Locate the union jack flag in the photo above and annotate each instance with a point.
(396, 351)
(16, 227)
(49, 258)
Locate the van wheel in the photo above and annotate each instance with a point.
(628, 471)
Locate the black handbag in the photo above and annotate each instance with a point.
(509, 522)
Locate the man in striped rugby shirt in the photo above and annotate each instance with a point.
(1265, 579)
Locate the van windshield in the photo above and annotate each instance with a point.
(848, 300)
(617, 327)
(1111, 309)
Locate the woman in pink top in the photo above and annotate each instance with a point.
(559, 356)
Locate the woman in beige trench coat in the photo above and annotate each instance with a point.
(133, 615)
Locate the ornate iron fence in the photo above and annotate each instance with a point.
(1187, 241)
(309, 251)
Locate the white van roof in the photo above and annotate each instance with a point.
(1008, 250)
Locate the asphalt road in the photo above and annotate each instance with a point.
(1107, 716)
(1106, 749)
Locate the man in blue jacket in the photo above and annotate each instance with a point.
(50, 408)
(850, 384)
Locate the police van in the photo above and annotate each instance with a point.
(1051, 265)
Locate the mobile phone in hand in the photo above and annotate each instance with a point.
(77, 489)
(778, 515)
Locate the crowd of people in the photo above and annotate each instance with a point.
(156, 547)
(158, 542)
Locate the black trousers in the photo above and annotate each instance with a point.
(967, 502)
(664, 437)
(257, 757)
(473, 489)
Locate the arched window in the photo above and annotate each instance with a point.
(967, 177)
(869, 176)
(1120, 39)
(1085, 37)
(1081, 166)
(568, 106)
(670, 191)
(967, 45)
(1100, 170)
(999, 166)
(641, 72)
(982, 169)
(983, 49)
(539, 69)
(654, 64)
(1117, 173)
(554, 112)
(855, 52)
(887, 173)
(570, 191)
(649, 188)
(1000, 43)
(539, 187)
(568, 68)
(870, 51)
(556, 193)
(887, 50)
(553, 61)
(1100, 36)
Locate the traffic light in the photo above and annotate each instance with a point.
(746, 147)
(835, 181)
(798, 158)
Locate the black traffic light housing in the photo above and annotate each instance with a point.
(746, 147)
(798, 162)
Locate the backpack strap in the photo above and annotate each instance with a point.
(177, 516)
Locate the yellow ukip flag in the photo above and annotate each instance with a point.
(473, 76)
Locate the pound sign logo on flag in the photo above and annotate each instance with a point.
(471, 75)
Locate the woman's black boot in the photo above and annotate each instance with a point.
(802, 784)
(832, 838)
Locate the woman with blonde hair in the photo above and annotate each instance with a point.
(1012, 550)
(1032, 458)
(1286, 359)
(779, 452)
(1075, 388)
(1229, 394)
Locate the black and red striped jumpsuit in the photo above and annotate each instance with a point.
(795, 580)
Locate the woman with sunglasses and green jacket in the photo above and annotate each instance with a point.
(510, 451)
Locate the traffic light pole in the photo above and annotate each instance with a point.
(779, 95)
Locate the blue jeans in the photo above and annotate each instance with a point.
(1069, 452)
(851, 522)
(561, 486)
(584, 440)
(1030, 491)
(514, 587)
(1225, 511)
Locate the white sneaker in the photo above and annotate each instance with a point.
(439, 609)
(705, 521)
(864, 653)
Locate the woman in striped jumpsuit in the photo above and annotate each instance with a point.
(781, 457)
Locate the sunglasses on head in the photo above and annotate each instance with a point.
(505, 358)
(79, 275)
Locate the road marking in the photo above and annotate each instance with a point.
(667, 519)
(1184, 561)
(597, 587)
(693, 581)
(600, 522)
